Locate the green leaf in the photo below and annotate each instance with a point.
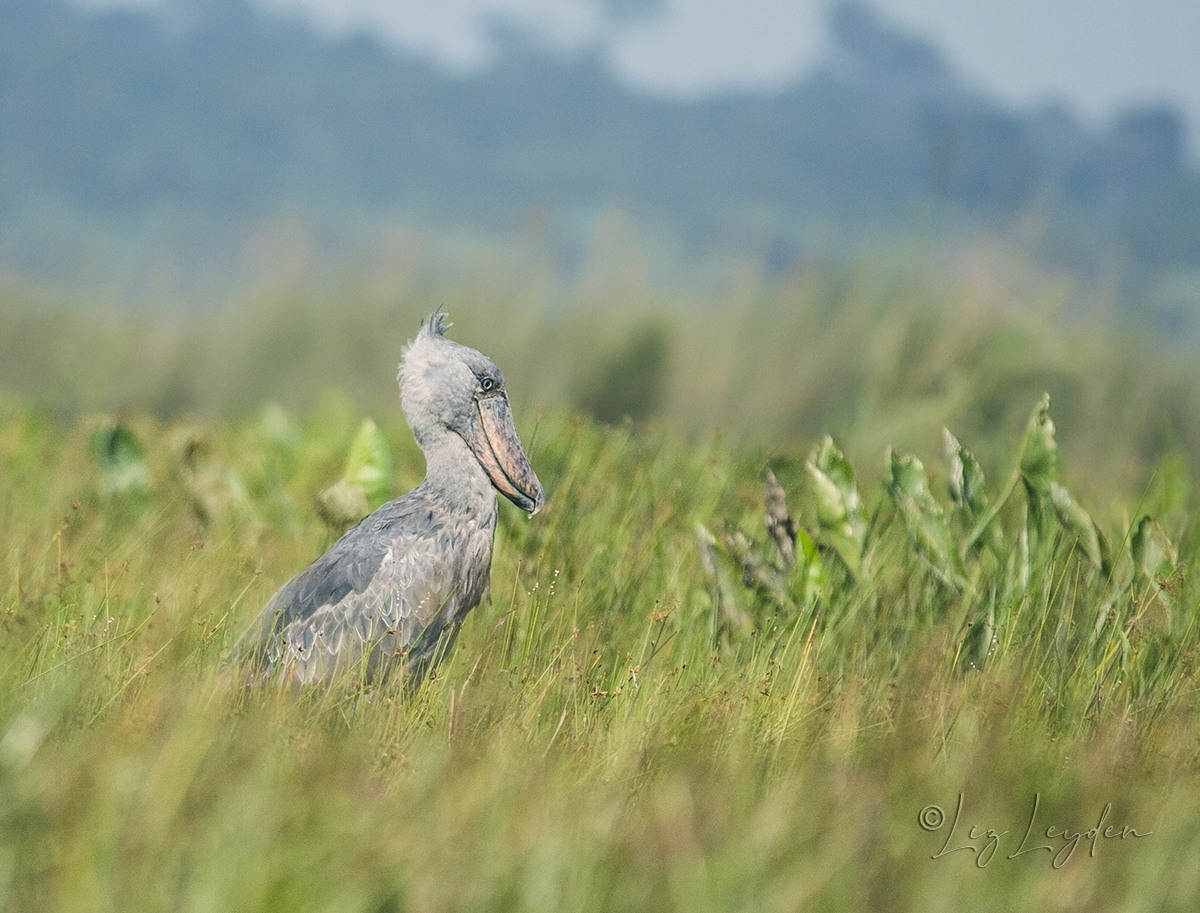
(369, 464)
(974, 518)
(1038, 467)
(1078, 522)
(922, 515)
(1152, 551)
(906, 474)
(1154, 555)
(201, 472)
(813, 573)
(831, 505)
(839, 514)
(1039, 451)
(119, 460)
(830, 462)
(966, 478)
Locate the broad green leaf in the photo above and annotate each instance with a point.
(906, 473)
(201, 472)
(1038, 467)
(211, 485)
(846, 547)
(119, 460)
(369, 464)
(1152, 551)
(831, 506)
(966, 478)
(1154, 555)
(366, 482)
(813, 571)
(975, 519)
(832, 463)
(922, 515)
(1078, 522)
(1039, 452)
(842, 524)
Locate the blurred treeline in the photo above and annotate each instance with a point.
(884, 350)
(175, 130)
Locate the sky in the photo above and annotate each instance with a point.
(1096, 55)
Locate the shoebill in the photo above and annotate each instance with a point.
(393, 590)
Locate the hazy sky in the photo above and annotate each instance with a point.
(1095, 54)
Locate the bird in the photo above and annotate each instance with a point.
(392, 592)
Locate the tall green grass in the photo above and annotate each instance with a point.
(598, 739)
(591, 742)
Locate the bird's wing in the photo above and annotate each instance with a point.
(370, 593)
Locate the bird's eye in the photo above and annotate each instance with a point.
(487, 385)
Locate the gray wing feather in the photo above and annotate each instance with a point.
(351, 563)
(369, 596)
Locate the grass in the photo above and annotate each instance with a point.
(601, 737)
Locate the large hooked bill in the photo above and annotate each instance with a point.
(495, 444)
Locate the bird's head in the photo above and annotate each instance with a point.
(447, 387)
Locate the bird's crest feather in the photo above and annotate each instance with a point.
(436, 324)
(418, 351)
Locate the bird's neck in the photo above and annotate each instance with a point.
(454, 476)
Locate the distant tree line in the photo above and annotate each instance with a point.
(221, 107)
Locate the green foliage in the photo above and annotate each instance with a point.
(369, 464)
(1156, 557)
(1047, 500)
(922, 515)
(1039, 453)
(120, 464)
(842, 523)
(991, 578)
(365, 482)
(603, 736)
(966, 479)
(691, 689)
